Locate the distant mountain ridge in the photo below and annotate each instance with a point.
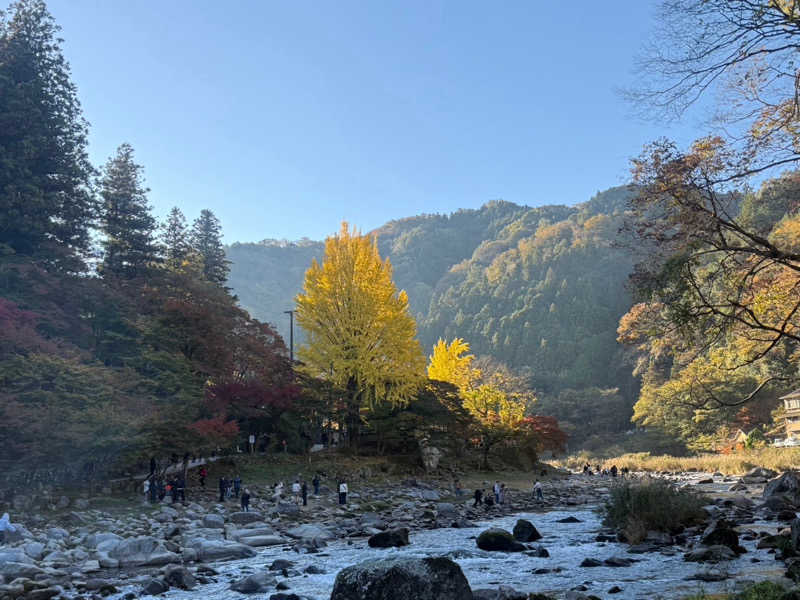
(539, 288)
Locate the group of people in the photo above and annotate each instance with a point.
(156, 489)
(613, 471)
(499, 496)
(299, 490)
(229, 488)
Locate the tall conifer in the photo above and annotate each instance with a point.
(129, 246)
(206, 241)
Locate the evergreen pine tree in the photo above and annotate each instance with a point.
(175, 237)
(129, 246)
(206, 241)
(46, 202)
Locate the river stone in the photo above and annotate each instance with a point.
(758, 475)
(142, 551)
(310, 532)
(504, 592)
(446, 509)
(498, 539)
(14, 555)
(432, 578)
(710, 554)
(213, 521)
(180, 577)
(242, 518)
(392, 538)
(258, 541)
(786, 486)
(34, 550)
(154, 587)
(287, 508)
(254, 584)
(12, 570)
(43, 593)
(208, 550)
(102, 541)
(720, 533)
(524, 531)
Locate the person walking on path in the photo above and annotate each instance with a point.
(537, 490)
(343, 492)
(203, 475)
(237, 485)
(304, 492)
(246, 500)
(478, 498)
(315, 483)
(223, 486)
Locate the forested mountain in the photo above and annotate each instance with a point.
(539, 289)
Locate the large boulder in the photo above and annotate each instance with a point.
(721, 533)
(180, 577)
(142, 551)
(524, 531)
(208, 550)
(392, 538)
(500, 540)
(287, 508)
(102, 541)
(432, 578)
(254, 584)
(786, 486)
(258, 541)
(11, 570)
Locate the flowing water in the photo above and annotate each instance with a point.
(656, 575)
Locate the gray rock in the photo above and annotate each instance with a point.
(35, 550)
(242, 518)
(155, 587)
(710, 554)
(287, 508)
(524, 531)
(213, 521)
(208, 550)
(142, 551)
(496, 539)
(180, 577)
(310, 531)
(254, 584)
(12, 570)
(504, 592)
(392, 538)
(258, 541)
(786, 486)
(402, 579)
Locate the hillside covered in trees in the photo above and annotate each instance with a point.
(538, 289)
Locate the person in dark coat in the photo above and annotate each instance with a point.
(237, 485)
(478, 498)
(315, 483)
(223, 486)
(304, 492)
(153, 466)
(246, 500)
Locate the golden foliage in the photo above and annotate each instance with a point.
(359, 331)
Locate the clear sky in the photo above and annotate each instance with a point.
(286, 117)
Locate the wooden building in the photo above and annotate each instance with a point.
(791, 409)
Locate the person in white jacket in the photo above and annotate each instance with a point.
(342, 492)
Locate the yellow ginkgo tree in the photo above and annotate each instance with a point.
(360, 334)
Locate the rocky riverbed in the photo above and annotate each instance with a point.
(210, 550)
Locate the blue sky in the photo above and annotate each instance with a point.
(286, 117)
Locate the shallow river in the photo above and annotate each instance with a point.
(656, 575)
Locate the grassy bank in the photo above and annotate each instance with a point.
(779, 459)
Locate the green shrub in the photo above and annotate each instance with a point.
(635, 508)
(765, 590)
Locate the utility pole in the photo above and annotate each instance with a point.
(291, 334)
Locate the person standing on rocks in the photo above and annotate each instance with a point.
(246, 500)
(296, 491)
(203, 475)
(537, 490)
(180, 492)
(304, 492)
(237, 485)
(501, 497)
(146, 489)
(496, 490)
(223, 486)
(315, 483)
(153, 465)
(478, 498)
(343, 492)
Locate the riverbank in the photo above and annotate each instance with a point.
(736, 463)
(131, 549)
